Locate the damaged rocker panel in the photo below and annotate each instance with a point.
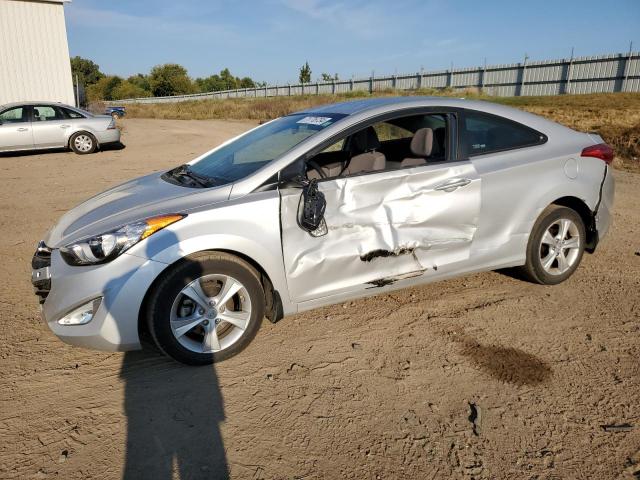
(383, 282)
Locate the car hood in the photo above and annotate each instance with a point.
(132, 201)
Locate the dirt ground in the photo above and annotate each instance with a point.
(480, 377)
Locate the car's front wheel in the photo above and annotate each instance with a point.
(83, 143)
(206, 309)
(555, 247)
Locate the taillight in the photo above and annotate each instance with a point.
(112, 124)
(601, 151)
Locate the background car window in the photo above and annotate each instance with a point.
(483, 133)
(13, 115)
(43, 113)
(70, 113)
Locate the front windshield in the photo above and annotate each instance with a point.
(257, 148)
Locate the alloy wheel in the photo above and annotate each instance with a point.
(560, 246)
(211, 313)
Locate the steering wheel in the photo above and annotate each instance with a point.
(317, 168)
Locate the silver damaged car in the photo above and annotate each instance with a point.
(318, 207)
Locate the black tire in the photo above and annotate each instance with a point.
(533, 269)
(82, 151)
(171, 284)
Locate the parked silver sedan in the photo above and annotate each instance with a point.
(41, 125)
(318, 207)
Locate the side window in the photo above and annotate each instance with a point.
(387, 131)
(386, 145)
(70, 113)
(14, 115)
(482, 133)
(43, 113)
(335, 147)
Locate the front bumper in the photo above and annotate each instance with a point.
(122, 285)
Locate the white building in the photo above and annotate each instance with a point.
(34, 53)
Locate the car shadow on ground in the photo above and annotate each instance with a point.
(28, 153)
(173, 419)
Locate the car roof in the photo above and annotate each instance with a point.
(374, 106)
(19, 104)
(357, 106)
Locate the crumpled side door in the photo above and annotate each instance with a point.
(380, 228)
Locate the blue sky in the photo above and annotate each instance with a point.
(269, 40)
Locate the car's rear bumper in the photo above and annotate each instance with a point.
(603, 214)
(108, 136)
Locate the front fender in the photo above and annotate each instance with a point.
(250, 228)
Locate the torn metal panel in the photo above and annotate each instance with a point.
(383, 282)
(379, 226)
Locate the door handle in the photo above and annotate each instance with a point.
(65, 126)
(23, 129)
(451, 185)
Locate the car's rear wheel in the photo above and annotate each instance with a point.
(555, 247)
(83, 143)
(206, 309)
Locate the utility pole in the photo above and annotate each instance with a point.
(569, 68)
(627, 67)
(524, 72)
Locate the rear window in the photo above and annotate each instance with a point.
(71, 113)
(483, 133)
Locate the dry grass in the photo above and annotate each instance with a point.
(615, 116)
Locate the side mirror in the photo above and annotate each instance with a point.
(311, 209)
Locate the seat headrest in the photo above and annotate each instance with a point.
(363, 141)
(422, 142)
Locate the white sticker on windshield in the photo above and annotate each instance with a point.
(314, 120)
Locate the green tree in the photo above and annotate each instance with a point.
(229, 81)
(126, 89)
(140, 80)
(225, 80)
(326, 77)
(170, 79)
(87, 71)
(305, 73)
(247, 82)
(103, 89)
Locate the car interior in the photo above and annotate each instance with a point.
(393, 144)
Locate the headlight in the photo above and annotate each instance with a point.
(104, 248)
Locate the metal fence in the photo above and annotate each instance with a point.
(596, 74)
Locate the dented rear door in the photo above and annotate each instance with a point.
(381, 228)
